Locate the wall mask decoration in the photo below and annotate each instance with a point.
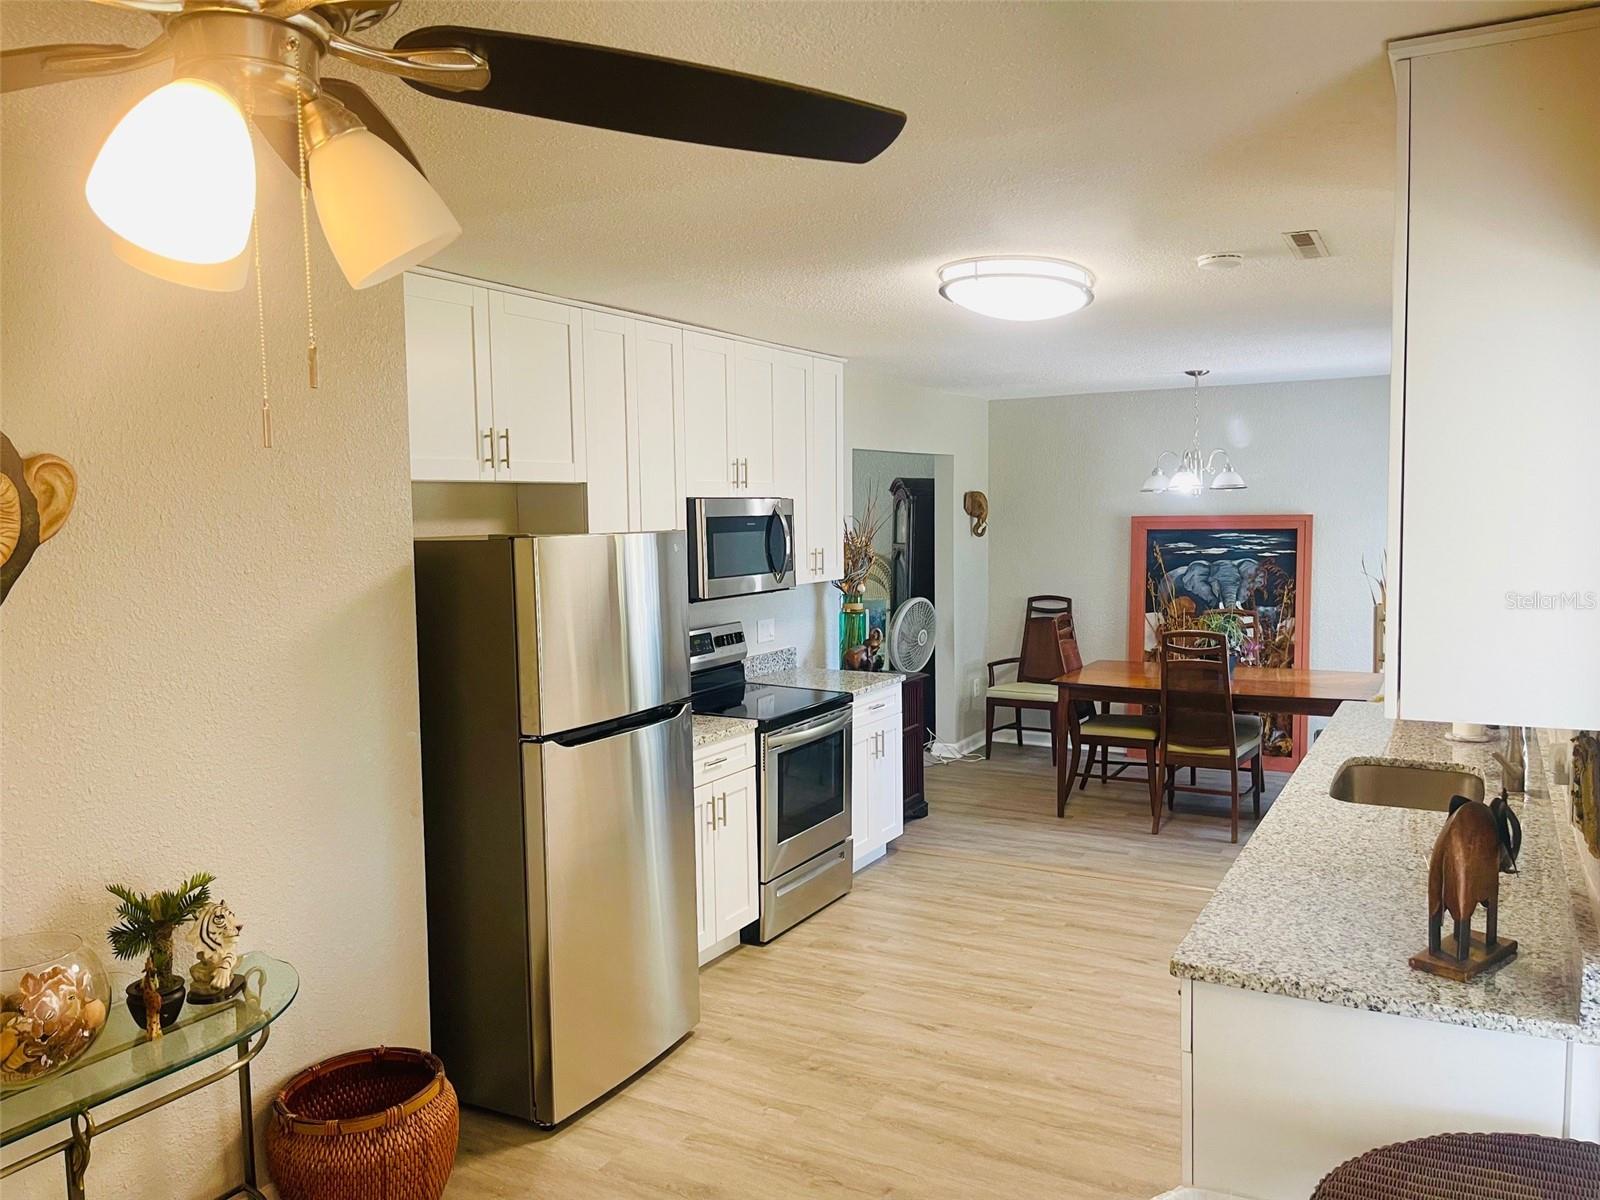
(976, 506)
(36, 495)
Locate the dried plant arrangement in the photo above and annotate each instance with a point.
(862, 562)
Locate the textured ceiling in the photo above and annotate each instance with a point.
(1127, 136)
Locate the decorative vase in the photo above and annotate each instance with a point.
(53, 993)
(852, 634)
(172, 994)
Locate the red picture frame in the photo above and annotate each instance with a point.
(1299, 523)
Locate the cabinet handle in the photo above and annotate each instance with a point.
(714, 762)
(489, 437)
(723, 800)
(505, 443)
(735, 467)
(711, 814)
(744, 472)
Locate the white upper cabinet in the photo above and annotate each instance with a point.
(710, 468)
(1494, 555)
(508, 387)
(605, 410)
(656, 424)
(821, 555)
(537, 376)
(447, 379)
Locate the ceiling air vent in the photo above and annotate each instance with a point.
(1307, 243)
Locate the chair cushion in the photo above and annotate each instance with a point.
(1024, 691)
(1129, 725)
(1246, 730)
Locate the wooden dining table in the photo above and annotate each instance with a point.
(1299, 691)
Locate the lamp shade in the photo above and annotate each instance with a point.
(1185, 480)
(379, 214)
(227, 276)
(177, 176)
(1228, 480)
(1155, 482)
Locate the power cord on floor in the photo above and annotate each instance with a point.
(942, 752)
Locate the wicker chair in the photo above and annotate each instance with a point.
(1198, 725)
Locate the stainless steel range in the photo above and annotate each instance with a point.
(802, 778)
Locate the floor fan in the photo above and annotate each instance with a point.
(912, 630)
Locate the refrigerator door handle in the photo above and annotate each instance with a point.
(610, 729)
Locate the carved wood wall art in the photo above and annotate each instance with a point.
(36, 495)
(976, 506)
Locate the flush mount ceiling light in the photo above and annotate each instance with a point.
(1017, 287)
(1192, 466)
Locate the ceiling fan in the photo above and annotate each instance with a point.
(175, 180)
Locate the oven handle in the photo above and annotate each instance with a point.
(782, 569)
(813, 730)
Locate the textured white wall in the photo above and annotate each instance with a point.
(1067, 471)
(212, 666)
(887, 414)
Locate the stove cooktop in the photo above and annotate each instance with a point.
(769, 705)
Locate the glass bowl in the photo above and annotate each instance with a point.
(53, 996)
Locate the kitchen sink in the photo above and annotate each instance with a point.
(1395, 785)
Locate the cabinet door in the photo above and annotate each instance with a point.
(705, 891)
(707, 408)
(888, 784)
(738, 884)
(447, 379)
(655, 426)
(537, 374)
(863, 769)
(605, 415)
(825, 472)
(755, 419)
(791, 396)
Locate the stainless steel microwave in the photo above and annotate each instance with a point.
(740, 547)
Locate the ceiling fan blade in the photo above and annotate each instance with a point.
(369, 114)
(36, 66)
(661, 97)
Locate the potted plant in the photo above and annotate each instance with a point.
(146, 927)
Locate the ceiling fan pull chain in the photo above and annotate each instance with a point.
(261, 305)
(305, 231)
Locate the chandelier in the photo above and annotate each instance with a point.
(1193, 467)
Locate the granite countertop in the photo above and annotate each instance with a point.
(854, 682)
(709, 730)
(1328, 900)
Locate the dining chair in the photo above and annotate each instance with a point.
(1100, 733)
(1198, 725)
(1048, 645)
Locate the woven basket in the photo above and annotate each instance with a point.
(1469, 1166)
(369, 1125)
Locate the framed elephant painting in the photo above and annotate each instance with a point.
(1246, 577)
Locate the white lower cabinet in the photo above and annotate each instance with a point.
(727, 880)
(877, 775)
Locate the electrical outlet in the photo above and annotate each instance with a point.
(766, 630)
(977, 687)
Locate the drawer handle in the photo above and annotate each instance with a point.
(714, 762)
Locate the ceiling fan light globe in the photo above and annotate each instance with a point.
(177, 176)
(379, 215)
(227, 276)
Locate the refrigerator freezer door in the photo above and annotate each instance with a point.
(620, 970)
(602, 627)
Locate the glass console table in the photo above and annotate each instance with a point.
(123, 1059)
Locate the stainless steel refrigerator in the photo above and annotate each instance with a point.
(558, 802)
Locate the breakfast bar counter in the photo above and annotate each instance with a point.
(1306, 1037)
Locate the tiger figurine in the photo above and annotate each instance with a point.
(216, 937)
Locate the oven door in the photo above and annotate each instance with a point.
(805, 791)
(739, 547)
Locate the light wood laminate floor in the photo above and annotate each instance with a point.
(988, 1013)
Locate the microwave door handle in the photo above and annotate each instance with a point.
(782, 568)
